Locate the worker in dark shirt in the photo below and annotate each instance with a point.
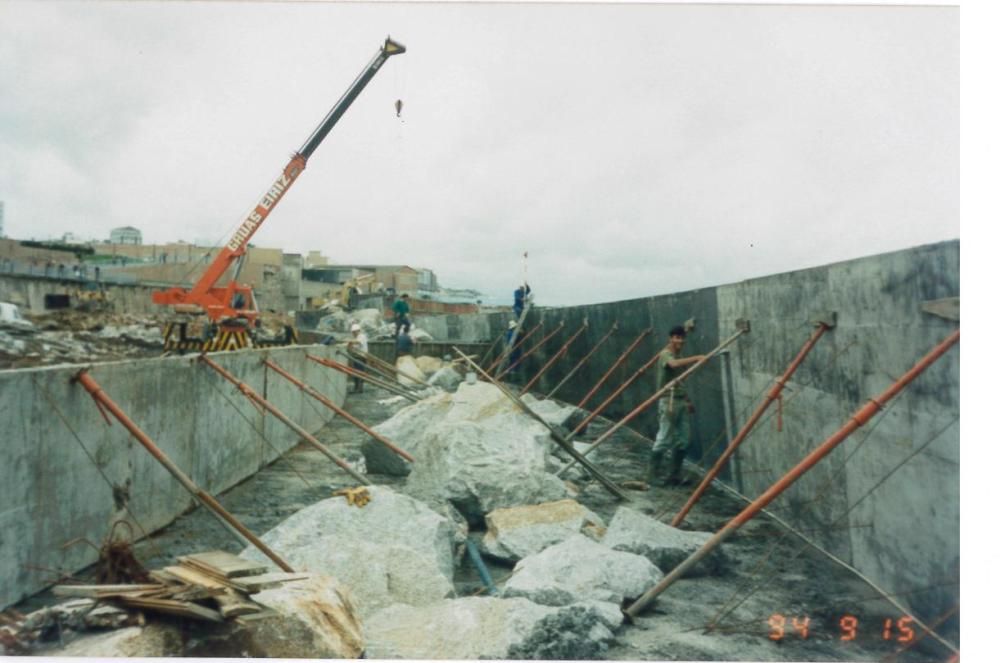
(401, 313)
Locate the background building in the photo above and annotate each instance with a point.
(126, 235)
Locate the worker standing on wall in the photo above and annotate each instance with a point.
(358, 342)
(401, 313)
(520, 296)
(675, 410)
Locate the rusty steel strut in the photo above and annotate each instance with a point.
(228, 520)
(583, 361)
(339, 410)
(253, 396)
(857, 420)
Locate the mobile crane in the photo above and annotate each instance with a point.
(233, 317)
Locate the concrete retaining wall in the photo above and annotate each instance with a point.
(29, 293)
(57, 446)
(905, 533)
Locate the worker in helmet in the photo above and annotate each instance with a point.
(359, 343)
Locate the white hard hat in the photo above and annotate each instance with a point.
(512, 324)
(355, 327)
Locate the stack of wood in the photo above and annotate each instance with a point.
(211, 586)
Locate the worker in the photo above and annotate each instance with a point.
(359, 343)
(675, 410)
(401, 313)
(404, 343)
(521, 295)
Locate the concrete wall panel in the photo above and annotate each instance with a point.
(53, 489)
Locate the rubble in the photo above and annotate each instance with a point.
(447, 378)
(663, 545)
(517, 532)
(79, 337)
(579, 569)
(491, 628)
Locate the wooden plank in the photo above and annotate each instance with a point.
(254, 584)
(92, 591)
(192, 576)
(232, 604)
(179, 608)
(224, 563)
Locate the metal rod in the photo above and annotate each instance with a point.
(232, 525)
(562, 351)
(394, 388)
(382, 371)
(622, 387)
(252, 395)
(477, 561)
(856, 421)
(657, 394)
(615, 365)
(560, 440)
(380, 362)
(527, 354)
(583, 361)
(772, 395)
(333, 406)
(509, 350)
(493, 347)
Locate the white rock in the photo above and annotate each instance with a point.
(489, 628)
(579, 569)
(429, 365)
(663, 545)
(394, 549)
(409, 373)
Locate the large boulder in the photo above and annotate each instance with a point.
(663, 545)
(313, 618)
(447, 378)
(516, 532)
(474, 448)
(479, 468)
(490, 628)
(579, 569)
(409, 373)
(392, 550)
(429, 365)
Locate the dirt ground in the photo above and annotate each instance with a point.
(689, 621)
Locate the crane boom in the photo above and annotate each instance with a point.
(235, 301)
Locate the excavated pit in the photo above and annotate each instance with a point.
(795, 582)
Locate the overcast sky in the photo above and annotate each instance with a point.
(631, 150)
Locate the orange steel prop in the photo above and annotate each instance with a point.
(533, 348)
(772, 395)
(624, 385)
(347, 370)
(554, 359)
(859, 419)
(489, 352)
(333, 406)
(657, 394)
(518, 344)
(247, 391)
(615, 365)
(583, 361)
(232, 525)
